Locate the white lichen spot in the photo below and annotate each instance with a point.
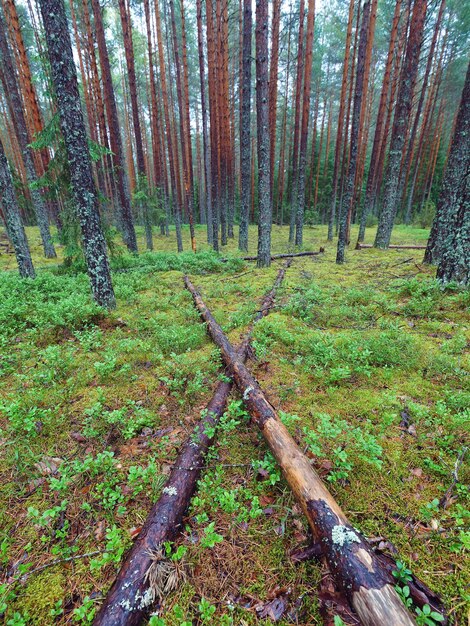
(246, 393)
(171, 491)
(341, 535)
(144, 600)
(125, 604)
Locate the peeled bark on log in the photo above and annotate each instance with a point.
(357, 570)
(132, 593)
(361, 246)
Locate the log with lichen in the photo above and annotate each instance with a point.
(146, 574)
(363, 576)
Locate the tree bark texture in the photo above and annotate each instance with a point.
(400, 124)
(120, 172)
(245, 125)
(371, 190)
(359, 90)
(297, 114)
(205, 137)
(15, 105)
(300, 199)
(65, 83)
(13, 223)
(450, 245)
(339, 132)
(262, 116)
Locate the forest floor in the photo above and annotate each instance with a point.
(368, 363)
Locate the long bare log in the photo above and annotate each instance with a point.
(361, 246)
(146, 574)
(358, 571)
(280, 256)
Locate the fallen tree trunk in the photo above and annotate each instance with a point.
(357, 570)
(280, 256)
(146, 574)
(361, 246)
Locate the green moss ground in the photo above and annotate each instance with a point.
(93, 408)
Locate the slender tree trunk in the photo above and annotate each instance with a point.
(279, 197)
(354, 140)
(305, 123)
(371, 188)
(120, 172)
(172, 156)
(130, 64)
(262, 116)
(30, 96)
(295, 144)
(15, 105)
(214, 122)
(185, 136)
(320, 148)
(273, 74)
(423, 91)
(391, 100)
(339, 132)
(245, 124)
(13, 223)
(327, 156)
(400, 123)
(189, 182)
(205, 138)
(65, 83)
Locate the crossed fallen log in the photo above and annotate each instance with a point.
(363, 576)
(146, 574)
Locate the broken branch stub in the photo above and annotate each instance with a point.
(356, 569)
(146, 574)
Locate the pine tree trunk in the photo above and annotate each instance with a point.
(262, 116)
(65, 83)
(279, 196)
(185, 136)
(400, 123)
(320, 148)
(214, 123)
(339, 132)
(205, 138)
(295, 144)
(451, 245)
(273, 74)
(300, 200)
(423, 91)
(120, 172)
(359, 90)
(15, 105)
(189, 181)
(13, 223)
(172, 157)
(130, 64)
(371, 189)
(245, 125)
(30, 96)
